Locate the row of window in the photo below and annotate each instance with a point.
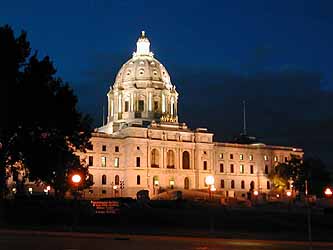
(116, 148)
(116, 180)
(170, 164)
(241, 157)
(241, 169)
(103, 161)
(242, 184)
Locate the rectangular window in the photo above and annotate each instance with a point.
(116, 149)
(205, 165)
(231, 168)
(275, 158)
(285, 159)
(221, 156)
(155, 106)
(231, 156)
(222, 183)
(137, 161)
(103, 161)
(241, 169)
(138, 180)
(241, 157)
(251, 157)
(103, 147)
(265, 157)
(126, 106)
(90, 146)
(251, 169)
(90, 160)
(221, 168)
(116, 162)
(141, 107)
(232, 184)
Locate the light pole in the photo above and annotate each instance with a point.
(289, 199)
(210, 183)
(328, 192)
(115, 187)
(76, 180)
(255, 193)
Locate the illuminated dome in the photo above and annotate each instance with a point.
(142, 92)
(143, 70)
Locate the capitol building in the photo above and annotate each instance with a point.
(144, 146)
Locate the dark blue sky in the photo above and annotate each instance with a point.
(277, 55)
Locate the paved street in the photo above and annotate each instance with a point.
(18, 240)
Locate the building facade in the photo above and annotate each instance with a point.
(144, 147)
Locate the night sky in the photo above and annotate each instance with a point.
(276, 55)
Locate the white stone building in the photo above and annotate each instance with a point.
(144, 147)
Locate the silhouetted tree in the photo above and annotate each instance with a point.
(298, 171)
(43, 127)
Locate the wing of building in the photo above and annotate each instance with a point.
(144, 147)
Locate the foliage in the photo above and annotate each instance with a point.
(298, 171)
(42, 126)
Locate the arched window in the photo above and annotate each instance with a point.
(232, 184)
(154, 158)
(170, 159)
(266, 169)
(186, 160)
(268, 185)
(186, 183)
(252, 186)
(138, 180)
(116, 180)
(242, 184)
(103, 179)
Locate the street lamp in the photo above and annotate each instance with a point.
(76, 180)
(288, 193)
(210, 183)
(115, 187)
(328, 192)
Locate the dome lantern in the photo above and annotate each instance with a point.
(143, 46)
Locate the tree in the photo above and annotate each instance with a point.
(299, 171)
(43, 128)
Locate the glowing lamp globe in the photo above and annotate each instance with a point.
(328, 192)
(212, 188)
(76, 178)
(209, 180)
(288, 193)
(255, 193)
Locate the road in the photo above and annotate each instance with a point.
(34, 240)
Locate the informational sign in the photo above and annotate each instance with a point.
(106, 207)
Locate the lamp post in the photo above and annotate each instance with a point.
(76, 180)
(210, 183)
(115, 187)
(255, 193)
(328, 192)
(289, 199)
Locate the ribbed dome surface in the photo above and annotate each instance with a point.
(143, 70)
